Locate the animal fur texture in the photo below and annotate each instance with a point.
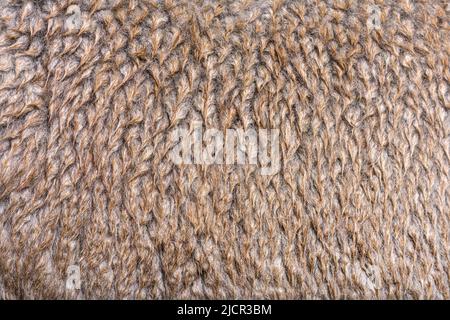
(90, 91)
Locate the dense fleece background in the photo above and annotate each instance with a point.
(88, 98)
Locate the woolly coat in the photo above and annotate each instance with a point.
(91, 90)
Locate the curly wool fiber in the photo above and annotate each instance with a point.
(90, 91)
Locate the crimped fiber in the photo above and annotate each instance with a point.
(90, 91)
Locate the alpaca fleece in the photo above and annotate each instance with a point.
(90, 91)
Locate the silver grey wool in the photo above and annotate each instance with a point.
(347, 102)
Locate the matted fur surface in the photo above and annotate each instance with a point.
(359, 209)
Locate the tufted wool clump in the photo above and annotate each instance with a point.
(90, 92)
